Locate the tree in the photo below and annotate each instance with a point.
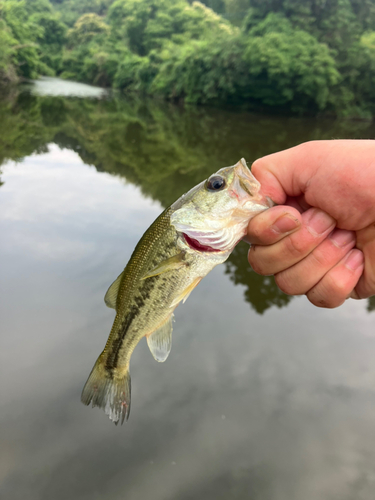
(85, 29)
(290, 68)
(147, 24)
(203, 71)
(7, 69)
(25, 57)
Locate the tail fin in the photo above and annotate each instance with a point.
(108, 392)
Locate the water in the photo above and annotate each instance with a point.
(263, 397)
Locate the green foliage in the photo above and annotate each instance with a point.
(148, 24)
(290, 67)
(25, 33)
(53, 31)
(279, 69)
(216, 5)
(89, 55)
(203, 71)
(71, 10)
(135, 73)
(92, 64)
(37, 37)
(361, 74)
(7, 71)
(85, 29)
(50, 40)
(314, 56)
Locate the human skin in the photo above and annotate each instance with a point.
(320, 239)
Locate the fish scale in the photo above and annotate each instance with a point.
(183, 245)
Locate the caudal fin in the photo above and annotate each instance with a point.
(108, 392)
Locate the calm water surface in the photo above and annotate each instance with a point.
(263, 397)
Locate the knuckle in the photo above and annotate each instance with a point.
(319, 300)
(307, 147)
(340, 285)
(285, 284)
(294, 247)
(255, 261)
(320, 258)
(255, 229)
(330, 292)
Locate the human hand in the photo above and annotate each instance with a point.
(321, 240)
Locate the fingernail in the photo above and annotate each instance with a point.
(318, 222)
(354, 260)
(285, 223)
(340, 237)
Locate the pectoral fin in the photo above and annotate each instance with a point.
(185, 294)
(160, 341)
(110, 298)
(175, 262)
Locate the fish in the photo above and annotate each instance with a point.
(188, 239)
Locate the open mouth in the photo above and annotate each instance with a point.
(195, 245)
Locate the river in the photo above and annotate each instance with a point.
(263, 397)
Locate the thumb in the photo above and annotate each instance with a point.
(288, 172)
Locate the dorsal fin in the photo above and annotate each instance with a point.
(110, 298)
(160, 341)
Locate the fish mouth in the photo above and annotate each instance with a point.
(248, 186)
(246, 179)
(195, 245)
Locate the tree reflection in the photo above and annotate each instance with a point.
(371, 304)
(163, 149)
(260, 291)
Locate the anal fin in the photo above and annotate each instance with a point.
(160, 341)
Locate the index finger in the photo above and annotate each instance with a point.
(272, 225)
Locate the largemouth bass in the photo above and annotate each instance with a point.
(190, 238)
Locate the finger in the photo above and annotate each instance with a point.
(272, 259)
(322, 171)
(366, 242)
(286, 173)
(335, 287)
(302, 203)
(270, 226)
(299, 203)
(304, 275)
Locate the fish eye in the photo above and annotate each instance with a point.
(215, 183)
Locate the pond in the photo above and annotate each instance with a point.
(263, 397)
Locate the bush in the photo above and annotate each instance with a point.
(291, 69)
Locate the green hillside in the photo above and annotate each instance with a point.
(314, 57)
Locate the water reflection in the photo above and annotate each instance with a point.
(161, 148)
(275, 406)
(260, 291)
(47, 86)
